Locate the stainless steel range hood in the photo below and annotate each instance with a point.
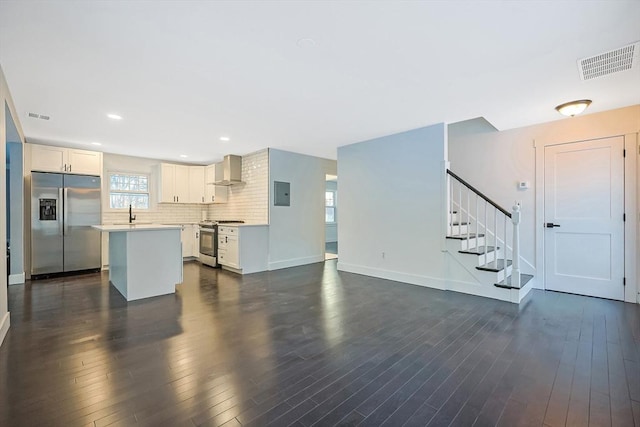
(229, 171)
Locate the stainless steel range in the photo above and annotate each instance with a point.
(209, 240)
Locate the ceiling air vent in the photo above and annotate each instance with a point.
(606, 63)
(39, 116)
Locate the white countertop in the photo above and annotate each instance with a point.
(245, 224)
(135, 227)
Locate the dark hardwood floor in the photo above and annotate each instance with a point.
(310, 346)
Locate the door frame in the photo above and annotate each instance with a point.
(631, 197)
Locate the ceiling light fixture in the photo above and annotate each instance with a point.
(96, 143)
(114, 116)
(573, 108)
(184, 156)
(225, 139)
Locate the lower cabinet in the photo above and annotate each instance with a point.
(190, 241)
(243, 249)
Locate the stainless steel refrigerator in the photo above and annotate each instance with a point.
(63, 209)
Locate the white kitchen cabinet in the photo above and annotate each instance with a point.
(210, 174)
(45, 158)
(187, 241)
(243, 249)
(196, 184)
(214, 193)
(174, 183)
(196, 242)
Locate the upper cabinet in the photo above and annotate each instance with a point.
(189, 184)
(196, 184)
(174, 183)
(46, 158)
(214, 193)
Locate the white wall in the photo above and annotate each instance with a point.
(249, 201)
(5, 99)
(391, 206)
(296, 232)
(331, 230)
(495, 162)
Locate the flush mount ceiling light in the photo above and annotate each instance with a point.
(184, 156)
(573, 108)
(96, 143)
(225, 139)
(114, 116)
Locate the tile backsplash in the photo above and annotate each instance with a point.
(249, 201)
(163, 214)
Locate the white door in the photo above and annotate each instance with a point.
(583, 218)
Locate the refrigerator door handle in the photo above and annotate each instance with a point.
(60, 210)
(65, 209)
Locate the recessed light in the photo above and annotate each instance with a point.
(184, 156)
(114, 116)
(225, 139)
(96, 143)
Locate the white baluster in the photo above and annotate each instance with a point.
(468, 215)
(504, 242)
(486, 236)
(460, 210)
(515, 219)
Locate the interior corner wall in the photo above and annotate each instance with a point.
(392, 207)
(5, 99)
(296, 232)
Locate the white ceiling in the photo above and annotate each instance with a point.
(299, 76)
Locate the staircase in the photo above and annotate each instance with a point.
(483, 238)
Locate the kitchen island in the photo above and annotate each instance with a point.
(145, 260)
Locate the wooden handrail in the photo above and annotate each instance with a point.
(479, 193)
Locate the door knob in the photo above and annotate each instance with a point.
(551, 225)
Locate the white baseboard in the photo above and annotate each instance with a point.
(16, 279)
(470, 288)
(4, 326)
(294, 262)
(412, 279)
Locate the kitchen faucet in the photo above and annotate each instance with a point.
(131, 217)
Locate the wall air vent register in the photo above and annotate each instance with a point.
(614, 61)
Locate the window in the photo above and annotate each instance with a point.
(330, 206)
(128, 189)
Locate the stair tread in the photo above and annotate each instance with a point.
(479, 250)
(498, 266)
(524, 279)
(464, 236)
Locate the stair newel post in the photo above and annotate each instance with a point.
(515, 219)
(468, 214)
(495, 238)
(450, 219)
(477, 228)
(459, 210)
